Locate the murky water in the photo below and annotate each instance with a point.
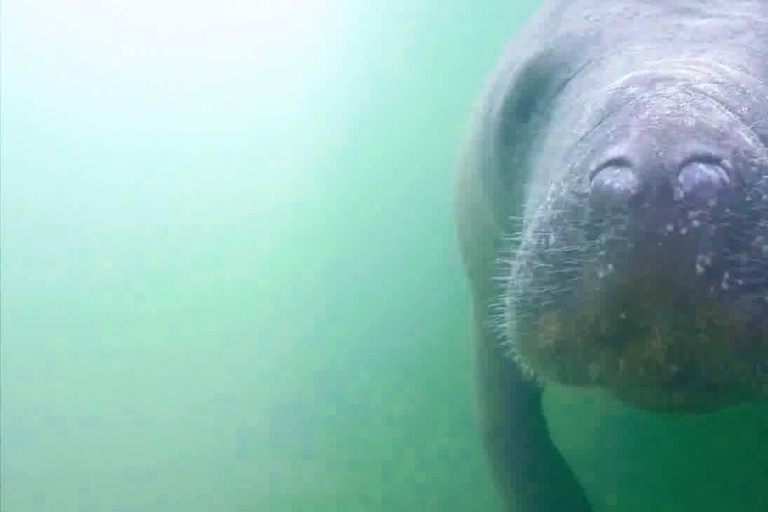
(229, 279)
(229, 275)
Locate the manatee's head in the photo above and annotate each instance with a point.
(641, 264)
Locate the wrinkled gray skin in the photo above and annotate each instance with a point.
(617, 142)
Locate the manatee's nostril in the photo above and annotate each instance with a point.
(702, 179)
(614, 185)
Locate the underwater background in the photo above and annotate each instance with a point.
(229, 275)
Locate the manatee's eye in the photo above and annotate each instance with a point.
(524, 100)
(528, 95)
(519, 105)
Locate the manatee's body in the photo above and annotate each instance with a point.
(612, 211)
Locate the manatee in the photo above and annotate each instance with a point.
(612, 215)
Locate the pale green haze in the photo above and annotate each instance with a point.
(229, 273)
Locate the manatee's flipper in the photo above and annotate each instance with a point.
(528, 468)
(490, 185)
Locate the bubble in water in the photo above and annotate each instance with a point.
(724, 283)
(702, 262)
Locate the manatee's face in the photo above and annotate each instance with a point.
(642, 268)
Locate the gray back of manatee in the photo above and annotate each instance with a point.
(612, 212)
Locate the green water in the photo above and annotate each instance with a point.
(229, 279)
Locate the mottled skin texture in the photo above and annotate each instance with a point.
(600, 117)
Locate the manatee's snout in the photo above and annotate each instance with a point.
(647, 273)
(668, 148)
(620, 184)
(671, 196)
